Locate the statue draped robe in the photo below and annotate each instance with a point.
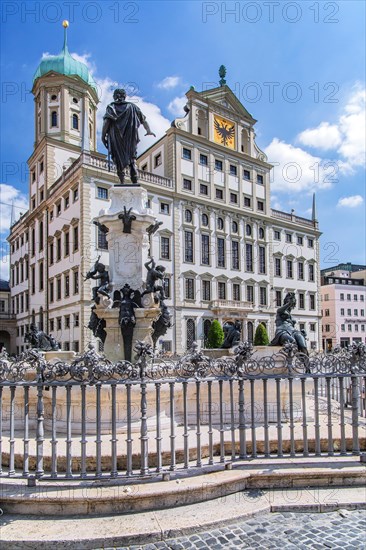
(125, 119)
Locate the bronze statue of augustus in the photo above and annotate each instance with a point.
(120, 134)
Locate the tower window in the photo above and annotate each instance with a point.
(54, 97)
(54, 119)
(75, 122)
(75, 100)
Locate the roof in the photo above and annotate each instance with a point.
(4, 285)
(64, 63)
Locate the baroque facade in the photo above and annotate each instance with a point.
(228, 255)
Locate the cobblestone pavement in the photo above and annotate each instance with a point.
(341, 530)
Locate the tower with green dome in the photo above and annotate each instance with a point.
(66, 98)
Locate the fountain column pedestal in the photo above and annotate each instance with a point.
(127, 221)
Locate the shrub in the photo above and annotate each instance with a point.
(261, 336)
(215, 335)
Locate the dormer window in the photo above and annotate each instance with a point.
(53, 119)
(75, 122)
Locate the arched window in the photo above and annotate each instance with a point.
(54, 119)
(220, 223)
(188, 216)
(204, 220)
(248, 230)
(75, 122)
(191, 332)
(261, 233)
(234, 227)
(250, 331)
(206, 328)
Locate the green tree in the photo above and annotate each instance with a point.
(215, 335)
(261, 336)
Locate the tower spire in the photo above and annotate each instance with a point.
(314, 215)
(65, 25)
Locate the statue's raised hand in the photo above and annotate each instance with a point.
(150, 134)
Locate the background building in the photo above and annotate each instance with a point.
(343, 297)
(227, 253)
(8, 328)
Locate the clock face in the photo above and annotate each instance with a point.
(224, 132)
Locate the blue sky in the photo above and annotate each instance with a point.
(298, 67)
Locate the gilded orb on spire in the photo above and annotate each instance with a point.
(65, 23)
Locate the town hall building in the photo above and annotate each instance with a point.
(228, 255)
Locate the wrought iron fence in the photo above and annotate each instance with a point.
(92, 418)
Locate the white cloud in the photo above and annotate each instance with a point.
(176, 105)
(346, 137)
(294, 169)
(325, 136)
(169, 82)
(350, 202)
(9, 196)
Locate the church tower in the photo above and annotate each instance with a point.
(65, 99)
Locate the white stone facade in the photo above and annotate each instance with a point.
(227, 254)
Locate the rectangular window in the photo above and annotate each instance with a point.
(288, 238)
(190, 289)
(289, 269)
(355, 312)
(234, 198)
(51, 249)
(203, 160)
(58, 251)
(41, 281)
(355, 297)
(205, 249)
(76, 319)
(249, 257)
(300, 240)
(166, 285)
(76, 238)
(102, 239)
(67, 286)
(76, 282)
(247, 202)
(67, 243)
(341, 297)
(188, 246)
(300, 271)
(187, 154)
(164, 208)
(246, 175)
(66, 202)
(278, 267)
(157, 160)
(326, 313)
(59, 323)
(277, 235)
(220, 252)
(301, 300)
(206, 291)
(250, 293)
(33, 273)
(102, 193)
(203, 189)
(75, 194)
(187, 184)
(348, 297)
(342, 311)
(312, 301)
(58, 288)
(310, 243)
(76, 346)
(218, 165)
(349, 312)
(236, 292)
(233, 170)
(260, 179)
(219, 194)
(52, 325)
(262, 260)
(278, 298)
(260, 206)
(235, 255)
(67, 321)
(343, 328)
(262, 296)
(165, 248)
(311, 272)
(221, 291)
